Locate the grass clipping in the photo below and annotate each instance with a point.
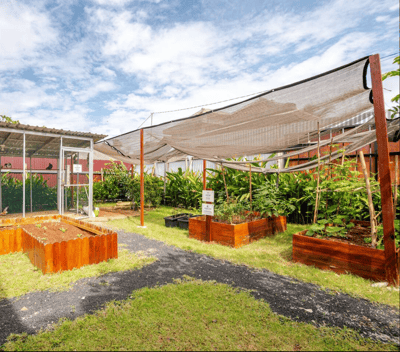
(19, 276)
(190, 315)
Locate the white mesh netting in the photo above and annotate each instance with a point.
(275, 121)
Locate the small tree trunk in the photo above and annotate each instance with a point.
(317, 196)
(370, 203)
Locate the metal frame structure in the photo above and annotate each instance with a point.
(46, 143)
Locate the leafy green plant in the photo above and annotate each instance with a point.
(395, 99)
(62, 229)
(79, 235)
(231, 211)
(38, 225)
(269, 200)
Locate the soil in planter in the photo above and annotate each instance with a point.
(53, 232)
(236, 220)
(355, 236)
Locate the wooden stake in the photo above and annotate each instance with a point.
(370, 202)
(317, 197)
(226, 188)
(251, 196)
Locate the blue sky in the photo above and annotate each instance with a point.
(105, 65)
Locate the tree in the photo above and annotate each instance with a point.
(396, 109)
(7, 119)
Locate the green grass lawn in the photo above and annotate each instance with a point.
(18, 276)
(272, 253)
(190, 315)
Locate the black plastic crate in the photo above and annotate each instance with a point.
(172, 221)
(183, 222)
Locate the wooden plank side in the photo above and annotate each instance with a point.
(85, 251)
(197, 228)
(78, 252)
(63, 256)
(92, 253)
(48, 254)
(103, 248)
(339, 250)
(339, 257)
(56, 257)
(326, 263)
(5, 238)
(71, 254)
(115, 245)
(18, 235)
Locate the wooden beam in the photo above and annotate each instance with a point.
(6, 138)
(391, 268)
(47, 142)
(141, 179)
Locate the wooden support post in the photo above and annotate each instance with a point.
(226, 187)
(370, 202)
(204, 175)
(396, 176)
(317, 196)
(141, 179)
(391, 268)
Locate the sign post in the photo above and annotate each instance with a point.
(208, 211)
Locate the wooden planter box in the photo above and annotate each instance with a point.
(60, 256)
(340, 257)
(231, 235)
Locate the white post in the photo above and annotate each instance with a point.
(77, 189)
(23, 177)
(91, 180)
(30, 179)
(60, 167)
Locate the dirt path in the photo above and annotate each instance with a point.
(286, 296)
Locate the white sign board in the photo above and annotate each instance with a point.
(77, 168)
(208, 196)
(208, 209)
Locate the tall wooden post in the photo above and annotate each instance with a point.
(141, 179)
(392, 271)
(204, 175)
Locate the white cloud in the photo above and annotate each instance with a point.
(93, 90)
(24, 30)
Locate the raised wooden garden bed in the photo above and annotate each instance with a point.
(340, 257)
(53, 251)
(236, 235)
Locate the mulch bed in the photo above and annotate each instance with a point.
(53, 232)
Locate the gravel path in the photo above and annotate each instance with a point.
(286, 296)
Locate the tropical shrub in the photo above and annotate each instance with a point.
(43, 196)
(184, 189)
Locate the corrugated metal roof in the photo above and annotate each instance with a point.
(22, 127)
(40, 141)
